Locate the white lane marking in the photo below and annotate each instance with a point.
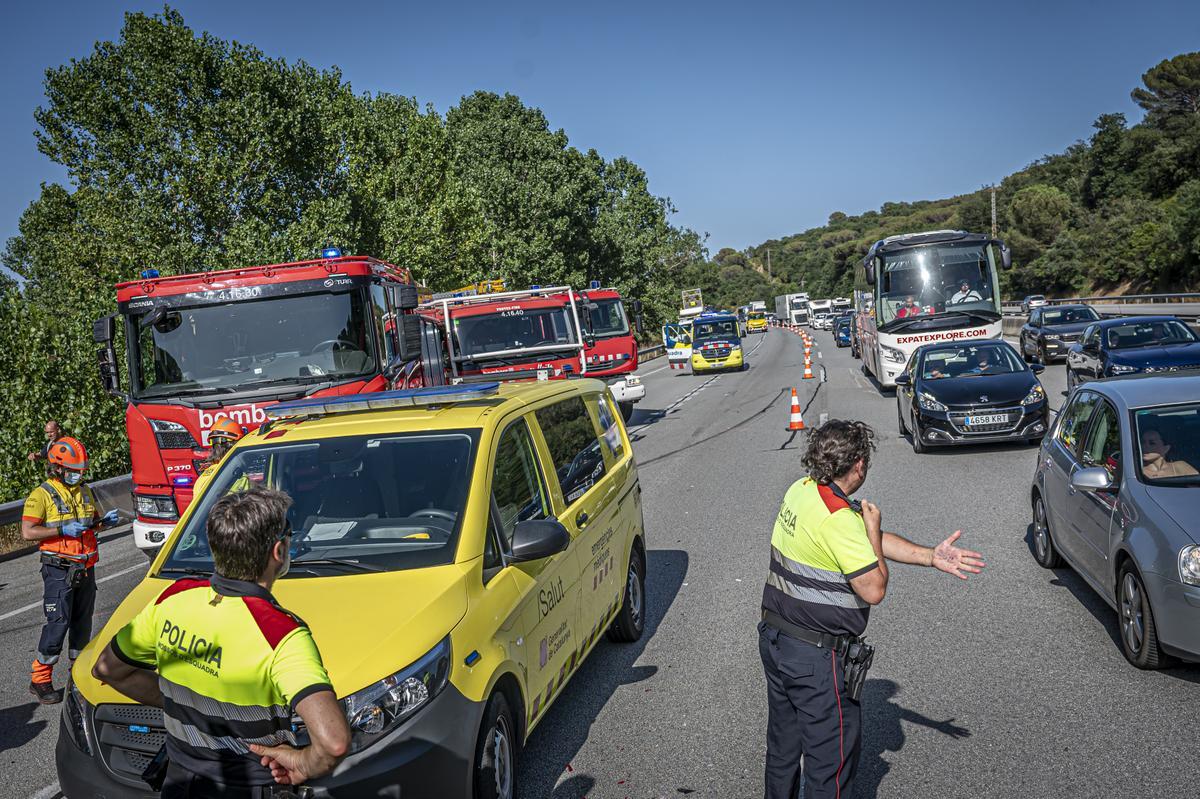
(656, 371)
(104, 579)
(820, 357)
(48, 792)
(822, 420)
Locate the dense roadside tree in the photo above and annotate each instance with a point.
(1171, 87)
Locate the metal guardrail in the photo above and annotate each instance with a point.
(115, 492)
(651, 351)
(1185, 305)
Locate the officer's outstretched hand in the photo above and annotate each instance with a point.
(111, 518)
(953, 560)
(73, 529)
(288, 765)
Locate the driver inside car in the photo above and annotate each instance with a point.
(1155, 452)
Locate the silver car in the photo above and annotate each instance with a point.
(1116, 495)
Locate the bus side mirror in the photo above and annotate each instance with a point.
(869, 272)
(1005, 255)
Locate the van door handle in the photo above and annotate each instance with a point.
(581, 519)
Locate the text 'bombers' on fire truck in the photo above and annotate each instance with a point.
(542, 332)
(229, 343)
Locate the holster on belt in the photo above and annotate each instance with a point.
(857, 656)
(76, 570)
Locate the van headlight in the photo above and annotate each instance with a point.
(379, 708)
(1035, 395)
(892, 354)
(1122, 369)
(73, 709)
(1189, 565)
(928, 403)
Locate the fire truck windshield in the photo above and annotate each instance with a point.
(234, 346)
(608, 318)
(514, 328)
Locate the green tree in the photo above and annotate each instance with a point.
(1040, 211)
(1171, 87)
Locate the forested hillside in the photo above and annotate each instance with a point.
(1119, 212)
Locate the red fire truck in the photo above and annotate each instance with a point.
(543, 332)
(229, 343)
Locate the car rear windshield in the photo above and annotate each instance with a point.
(968, 361)
(376, 502)
(1168, 441)
(1066, 316)
(1144, 334)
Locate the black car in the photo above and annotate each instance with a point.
(969, 394)
(1053, 328)
(1132, 345)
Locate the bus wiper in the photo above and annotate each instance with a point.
(352, 564)
(188, 570)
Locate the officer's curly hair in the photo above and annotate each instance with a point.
(242, 529)
(834, 448)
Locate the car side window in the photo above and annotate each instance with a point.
(610, 432)
(1073, 420)
(574, 447)
(1035, 318)
(517, 489)
(1103, 444)
(1091, 337)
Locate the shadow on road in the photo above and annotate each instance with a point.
(1066, 577)
(564, 730)
(883, 732)
(17, 726)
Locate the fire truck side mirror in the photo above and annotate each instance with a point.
(110, 376)
(638, 322)
(406, 297)
(409, 329)
(103, 329)
(589, 340)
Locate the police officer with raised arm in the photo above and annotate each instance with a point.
(828, 566)
(229, 666)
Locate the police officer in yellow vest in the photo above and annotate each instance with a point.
(229, 666)
(828, 566)
(61, 516)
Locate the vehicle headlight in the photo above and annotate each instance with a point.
(172, 435)
(1122, 369)
(929, 403)
(156, 506)
(892, 354)
(1189, 565)
(1035, 395)
(377, 709)
(73, 710)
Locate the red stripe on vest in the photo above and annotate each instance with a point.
(832, 501)
(179, 586)
(274, 623)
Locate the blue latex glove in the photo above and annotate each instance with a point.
(111, 518)
(73, 529)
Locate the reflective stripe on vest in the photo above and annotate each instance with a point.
(83, 548)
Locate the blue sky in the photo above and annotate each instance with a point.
(757, 119)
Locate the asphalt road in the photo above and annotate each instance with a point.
(1011, 684)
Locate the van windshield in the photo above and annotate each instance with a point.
(382, 502)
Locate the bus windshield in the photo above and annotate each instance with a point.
(234, 346)
(938, 279)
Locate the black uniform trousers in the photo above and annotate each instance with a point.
(808, 714)
(180, 783)
(68, 611)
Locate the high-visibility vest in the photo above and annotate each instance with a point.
(53, 504)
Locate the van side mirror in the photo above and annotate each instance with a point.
(537, 539)
(1037, 367)
(903, 380)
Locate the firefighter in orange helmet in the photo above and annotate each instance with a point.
(62, 518)
(223, 434)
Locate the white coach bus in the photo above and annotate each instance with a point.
(936, 286)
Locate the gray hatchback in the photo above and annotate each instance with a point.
(1116, 494)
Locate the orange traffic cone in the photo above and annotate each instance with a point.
(807, 350)
(808, 374)
(795, 421)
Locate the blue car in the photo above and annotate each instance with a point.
(841, 332)
(1132, 345)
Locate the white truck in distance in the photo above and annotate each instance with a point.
(792, 309)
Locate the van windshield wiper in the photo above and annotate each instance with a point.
(345, 562)
(188, 570)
